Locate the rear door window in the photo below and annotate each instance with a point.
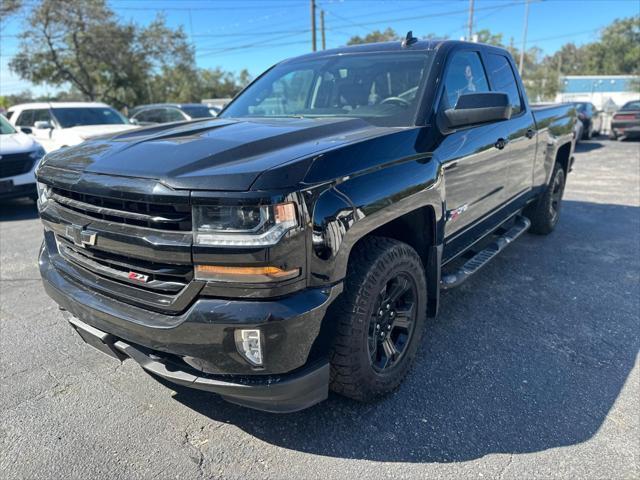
(503, 80)
(465, 74)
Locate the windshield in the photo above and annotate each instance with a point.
(5, 127)
(581, 107)
(197, 111)
(383, 88)
(631, 106)
(73, 117)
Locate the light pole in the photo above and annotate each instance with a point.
(524, 37)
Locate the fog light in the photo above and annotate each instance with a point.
(249, 345)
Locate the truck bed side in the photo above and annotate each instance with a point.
(555, 126)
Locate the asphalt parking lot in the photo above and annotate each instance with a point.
(531, 370)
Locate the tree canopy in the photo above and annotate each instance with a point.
(82, 44)
(616, 52)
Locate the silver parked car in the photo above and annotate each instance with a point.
(168, 112)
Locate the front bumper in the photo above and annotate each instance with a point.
(284, 394)
(200, 342)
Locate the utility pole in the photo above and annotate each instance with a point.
(470, 31)
(322, 35)
(524, 37)
(313, 25)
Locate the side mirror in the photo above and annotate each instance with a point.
(43, 125)
(27, 130)
(478, 108)
(134, 121)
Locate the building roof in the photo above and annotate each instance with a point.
(598, 83)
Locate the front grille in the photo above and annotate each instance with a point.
(162, 278)
(15, 164)
(142, 214)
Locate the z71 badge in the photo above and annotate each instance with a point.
(138, 277)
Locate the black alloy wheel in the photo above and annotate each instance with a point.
(393, 322)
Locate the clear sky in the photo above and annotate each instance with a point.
(255, 34)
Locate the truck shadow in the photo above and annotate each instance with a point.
(17, 209)
(529, 355)
(588, 146)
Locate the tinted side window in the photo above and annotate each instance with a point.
(41, 116)
(151, 116)
(503, 80)
(25, 119)
(142, 116)
(464, 75)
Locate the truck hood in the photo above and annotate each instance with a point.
(16, 143)
(213, 154)
(91, 131)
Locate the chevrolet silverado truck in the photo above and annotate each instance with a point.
(299, 242)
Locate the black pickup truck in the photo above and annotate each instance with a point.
(299, 242)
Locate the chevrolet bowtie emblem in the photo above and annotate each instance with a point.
(80, 236)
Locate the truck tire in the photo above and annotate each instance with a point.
(545, 211)
(380, 317)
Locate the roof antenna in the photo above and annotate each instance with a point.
(409, 39)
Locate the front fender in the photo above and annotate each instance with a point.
(357, 205)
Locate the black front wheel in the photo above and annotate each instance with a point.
(381, 316)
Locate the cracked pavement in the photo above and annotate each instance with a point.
(530, 371)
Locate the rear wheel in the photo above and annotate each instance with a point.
(545, 212)
(381, 316)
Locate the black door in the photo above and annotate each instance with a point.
(474, 166)
(518, 133)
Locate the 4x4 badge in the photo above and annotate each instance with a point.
(80, 236)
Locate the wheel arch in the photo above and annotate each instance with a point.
(419, 229)
(563, 157)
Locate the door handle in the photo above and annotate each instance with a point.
(530, 133)
(500, 143)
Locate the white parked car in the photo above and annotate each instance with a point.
(62, 124)
(19, 155)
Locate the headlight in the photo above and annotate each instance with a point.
(43, 192)
(242, 226)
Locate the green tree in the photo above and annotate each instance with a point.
(376, 36)
(216, 83)
(81, 43)
(618, 51)
(485, 36)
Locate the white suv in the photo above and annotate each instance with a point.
(62, 124)
(19, 155)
